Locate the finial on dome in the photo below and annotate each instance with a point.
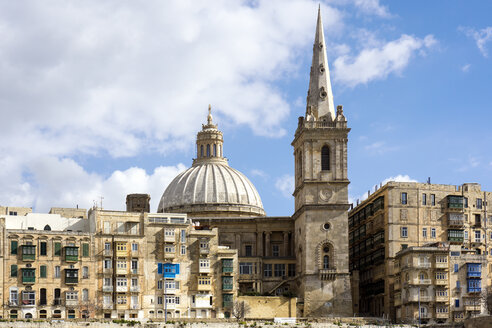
(209, 117)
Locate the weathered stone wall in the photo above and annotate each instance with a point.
(267, 307)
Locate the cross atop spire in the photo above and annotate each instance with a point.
(320, 97)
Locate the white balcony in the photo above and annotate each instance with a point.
(442, 265)
(204, 270)
(121, 289)
(170, 291)
(424, 281)
(71, 302)
(107, 288)
(441, 282)
(121, 271)
(441, 315)
(442, 299)
(423, 265)
(171, 306)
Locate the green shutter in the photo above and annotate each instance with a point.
(85, 249)
(57, 249)
(13, 270)
(13, 247)
(42, 271)
(42, 248)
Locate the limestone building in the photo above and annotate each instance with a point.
(210, 240)
(402, 215)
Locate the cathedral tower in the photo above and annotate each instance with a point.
(321, 195)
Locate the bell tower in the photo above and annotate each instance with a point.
(321, 195)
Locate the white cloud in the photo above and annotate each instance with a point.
(372, 7)
(379, 147)
(364, 196)
(62, 182)
(481, 37)
(466, 68)
(259, 173)
(399, 178)
(285, 184)
(470, 163)
(378, 62)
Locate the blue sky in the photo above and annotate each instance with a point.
(104, 99)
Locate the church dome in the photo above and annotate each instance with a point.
(211, 187)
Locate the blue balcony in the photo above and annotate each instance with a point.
(168, 270)
(474, 285)
(473, 270)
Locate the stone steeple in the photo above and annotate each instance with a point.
(320, 97)
(209, 143)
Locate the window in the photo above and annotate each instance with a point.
(465, 234)
(107, 282)
(215, 150)
(477, 235)
(121, 282)
(466, 202)
(85, 295)
(204, 263)
(169, 249)
(279, 270)
(479, 203)
(159, 300)
(404, 198)
(325, 158)
(433, 232)
(246, 268)
(456, 303)
(183, 249)
(404, 232)
(456, 267)
(13, 270)
(134, 247)
(292, 269)
(201, 151)
(42, 271)
(441, 275)
(121, 265)
(169, 232)
(204, 244)
(276, 250)
(458, 285)
(433, 200)
(57, 249)
(57, 271)
(14, 296)
(42, 248)
(106, 227)
(85, 272)
(159, 284)
(134, 266)
(85, 249)
(107, 247)
(13, 213)
(13, 247)
(183, 236)
(248, 250)
(28, 297)
(208, 150)
(121, 299)
(424, 199)
(267, 270)
(326, 262)
(107, 263)
(424, 232)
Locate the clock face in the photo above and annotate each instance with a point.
(325, 194)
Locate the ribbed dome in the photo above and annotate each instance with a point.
(212, 188)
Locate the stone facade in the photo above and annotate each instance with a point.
(405, 214)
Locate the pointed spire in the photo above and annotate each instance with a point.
(320, 97)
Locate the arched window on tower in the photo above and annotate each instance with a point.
(326, 255)
(325, 158)
(201, 151)
(215, 150)
(208, 150)
(326, 262)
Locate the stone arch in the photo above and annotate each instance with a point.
(321, 252)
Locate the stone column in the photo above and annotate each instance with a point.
(238, 245)
(268, 246)
(286, 243)
(259, 244)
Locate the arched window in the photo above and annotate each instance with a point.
(326, 262)
(208, 150)
(28, 315)
(220, 151)
(201, 151)
(215, 150)
(47, 227)
(325, 158)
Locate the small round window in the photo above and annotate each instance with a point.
(326, 249)
(326, 226)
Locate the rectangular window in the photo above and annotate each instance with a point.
(13, 270)
(433, 232)
(42, 248)
(13, 247)
(267, 270)
(404, 232)
(424, 232)
(456, 303)
(465, 234)
(183, 236)
(121, 282)
(42, 271)
(107, 282)
(159, 284)
(456, 267)
(57, 249)
(276, 250)
(57, 271)
(134, 266)
(85, 272)
(479, 203)
(292, 269)
(246, 268)
(248, 250)
(458, 284)
(85, 249)
(159, 300)
(134, 247)
(279, 270)
(433, 199)
(183, 249)
(424, 199)
(134, 282)
(404, 198)
(477, 235)
(466, 202)
(204, 263)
